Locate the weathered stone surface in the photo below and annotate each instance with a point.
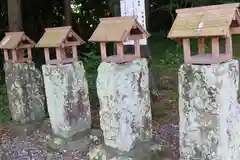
(82, 143)
(25, 92)
(144, 151)
(209, 112)
(67, 98)
(125, 112)
(24, 129)
(60, 144)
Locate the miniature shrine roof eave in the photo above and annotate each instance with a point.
(182, 34)
(209, 7)
(58, 37)
(203, 32)
(117, 29)
(12, 40)
(59, 45)
(194, 36)
(107, 40)
(19, 47)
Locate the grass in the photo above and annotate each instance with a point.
(166, 59)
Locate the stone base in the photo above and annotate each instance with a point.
(209, 112)
(25, 92)
(67, 98)
(24, 129)
(144, 151)
(125, 110)
(81, 141)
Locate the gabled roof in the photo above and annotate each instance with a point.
(115, 29)
(204, 21)
(58, 36)
(14, 40)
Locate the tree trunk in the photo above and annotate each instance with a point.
(14, 15)
(67, 12)
(114, 6)
(67, 20)
(145, 52)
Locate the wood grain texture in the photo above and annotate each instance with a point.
(207, 21)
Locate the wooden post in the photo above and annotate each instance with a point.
(46, 54)
(29, 52)
(186, 50)
(58, 54)
(20, 54)
(103, 50)
(228, 45)
(6, 58)
(63, 53)
(14, 55)
(74, 53)
(120, 50)
(201, 49)
(215, 47)
(137, 48)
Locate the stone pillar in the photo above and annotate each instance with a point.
(209, 112)
(67, 99)
(25, 94)
(125, 111)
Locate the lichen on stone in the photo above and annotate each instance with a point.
(207, 108)
(25, 92)
(144, 151)
(125, 113)
(67, 98)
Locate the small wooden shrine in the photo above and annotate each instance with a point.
(17, 47)
(215, 22)
(119, 30)
(63, 40)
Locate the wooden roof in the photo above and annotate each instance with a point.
(205, 21)
(14, 40)
(58, 37)
(116, 29)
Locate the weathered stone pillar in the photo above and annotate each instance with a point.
(26, 95)
(125, 111)
(209, 112)
(67, 99)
